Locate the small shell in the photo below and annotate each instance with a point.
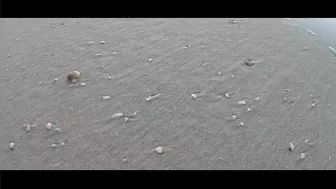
(90, 42)
(242, 102)
(62, 144)
(109, 77)
(313, 104)
(82, 84)
(23, 67)
(106, 97)
(49, 126)
(291, 146)
(117, 115)
(194, 96)
(126, 119)
(241, 124)
(148, 98)
(102, 42)
(159, 150)
(150, 59)
(53, 145)
(55, 80)
(286, 90)
(248, 109)
(233, 117)
(306, 48)
(98, 54)
(124, 160)
(74, 76)
(186, 47)
(248, 62)
(114, 53)
(58, 129)
(11, 145)
(219, 73)
(257, 98)
(302, 155)
(40, 83)
(27, 127)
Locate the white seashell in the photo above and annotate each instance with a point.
(159, 150)
(257, 98)
(117, 115)
(49, 126)
(53, 145)
(82, 84)
(109, 77)
(233, 117)
(241, 124)
(302, 155)
(27, 127)
(11, 145)
(194, 96)
(219, 73)
(291, 146)
(58, 129)
(242, 102)
(114, 53)
(126, 119)
(102, 42)
(106, 97)
(150, 59)
(98, 54)
(248, 109)
(90, 42)
(40, 83)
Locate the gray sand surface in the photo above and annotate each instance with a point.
(194, 133)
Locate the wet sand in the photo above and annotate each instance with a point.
(289, 94)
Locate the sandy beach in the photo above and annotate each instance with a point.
(192, 94)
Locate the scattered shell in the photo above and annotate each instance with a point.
(229, 40)
(288, 19)
(286, 90)
(241, 124)
(90, 42)
(98, 54)
(186, 47)
(62, 144)
(159, 150)
(49, 126)
(106, 97)
(313, 104)
(28, 127)
(194, 96)
(124, 160)
(310, 32)
(102, 42)
(74, 76)
(302, 155)
(248, 109)
(242, 102)
(150, 59)
(233, 117)
(291, 146)
(53, 145)
(114, 53)
(11, 145)
(6, 70)
(40, 83)
(306, 140)
(58, 129)
(23, 67)
(311, 95)
(126, 119)
(332, 50)
(34, 75)
(55, 80)
(227, 95)
(248, 62)
(8, 55)
(82, 84)
(71, 85)
(219, 73)
(232, 76)
(117, 115)
(329, 158)
(78, 21)
(305, 48)
(109, 77)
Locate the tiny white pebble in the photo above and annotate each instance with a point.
(124, 160)
(229, 40)
(18, 63)
(150, 59)
(219, 73)
(117, 115)
(58, 129)
(302, 155)
(11, 145)
(242, 102)
(241, 124)
(257, 98)
(40, 83)
(248, 109)
(227, 95)
(126, 119)
(28, 127)
(98, 54)
(53, 145)
(114, 53)
(306, 48)
(233, 117)
(102, 42)
(82, 84)
(71, 85)
(106, 97)
(159, 150)
(291, 146)
(329, 158)
(109, 77)
(6, 70)
(194, 96)
(306, 140)
(313, 104)
(78, 21)
(24, 67)
(232, 76)
(55, 79)
(8, 55)
(49, 126)
(311, 96)
(90, 42)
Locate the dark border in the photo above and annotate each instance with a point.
(126, 8)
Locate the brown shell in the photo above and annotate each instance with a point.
(73, 76)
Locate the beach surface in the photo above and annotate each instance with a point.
(193, 94)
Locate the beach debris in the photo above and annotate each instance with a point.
(27, 127)
(149, 98)
(242, 102)
(306, 140)
(205, 64)
(186, 47)
(150, 59)
(228, 95)
(332, 50)
(82, 84)
(233, 117)
(49, 126)
(159, 150)
(74, 76)
(98, 54)
(55, 80)
(329, 158)
(40, 83)
(286, 90)
(58, 129)
(248, 62)
(71, 85)
(194, 96)
(302, 155)
(126, 119)
(23, 67)
(11, 145)
(53, 145)
(90, 42)
(106, 97)
(310, 32)
(313, 104)
(124, 160)
(291, 146)
(219, 73)
(102, 42)
(241, 124)
(248, 109)
(109, 77)
(305, 48)
(114, 53)
(117, 115)
(257, 98)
